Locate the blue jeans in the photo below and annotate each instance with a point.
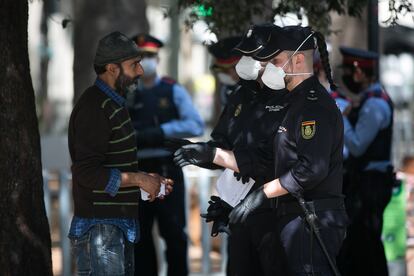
(103, 250)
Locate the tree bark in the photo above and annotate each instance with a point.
(93, 19)
(24, 231)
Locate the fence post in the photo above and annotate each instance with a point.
(204, 185)
(46, 194)
(64, 219)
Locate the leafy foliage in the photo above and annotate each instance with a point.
(399, 7)
(224, 15)
(233, 16)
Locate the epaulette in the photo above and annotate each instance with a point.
(312, 95)
(168, 80)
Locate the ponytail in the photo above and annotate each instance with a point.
(325, 59)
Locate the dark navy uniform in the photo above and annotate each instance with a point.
(369, 177)
(308, 162)
(248, 121)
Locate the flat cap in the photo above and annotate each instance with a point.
(358, 57)
(288, 38)
(114, 48)
(254, 39)
(222, 51)
(147, 43)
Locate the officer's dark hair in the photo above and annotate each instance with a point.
(99, 69)
(320, 40)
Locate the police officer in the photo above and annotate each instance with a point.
(250, 245)
(160, 108)
(223, 66)
(308, 160)
(369, 178)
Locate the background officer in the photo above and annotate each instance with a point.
(223, 65)
(160, 108)
(369, 173)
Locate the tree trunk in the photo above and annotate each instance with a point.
(93, 20)
(24, 231)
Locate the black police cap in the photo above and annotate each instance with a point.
(288, 38)
(358, 57)
(147, 43)
(254, 39)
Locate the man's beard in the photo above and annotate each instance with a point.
(123, 82)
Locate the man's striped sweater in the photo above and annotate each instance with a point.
(101, 139)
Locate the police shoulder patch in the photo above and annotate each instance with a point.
(308, 129)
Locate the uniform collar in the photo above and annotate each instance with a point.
(253, 85)
(110, 92)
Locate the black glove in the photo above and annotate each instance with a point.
(251, 203)
(150, 137)
(194, 154)
(173, 144)
(244, 178)
(218, 213)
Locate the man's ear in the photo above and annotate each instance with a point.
(300, 59)
(111, 68)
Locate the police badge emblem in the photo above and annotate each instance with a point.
(308, 129)
(238, 110)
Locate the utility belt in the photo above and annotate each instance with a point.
(293, 207)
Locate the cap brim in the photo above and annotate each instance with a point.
(266, 53)
(247, 47)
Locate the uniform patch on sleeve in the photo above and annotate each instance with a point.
(308, 129)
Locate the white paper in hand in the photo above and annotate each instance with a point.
(145, 195)
(230, 190)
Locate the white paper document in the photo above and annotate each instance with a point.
(230, 190)
(145, 195)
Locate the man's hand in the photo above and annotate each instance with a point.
(167, 182)
(150, 183)
(244, 178)
(173, 144)
(251, 203)
(218, 213)
(194, 154)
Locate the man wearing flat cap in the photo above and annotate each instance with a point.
(106, 180)
(369, 177)
(161, 109)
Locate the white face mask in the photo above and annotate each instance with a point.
(149, 65)
(274, 76)
(226, 79)
(247, 68)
